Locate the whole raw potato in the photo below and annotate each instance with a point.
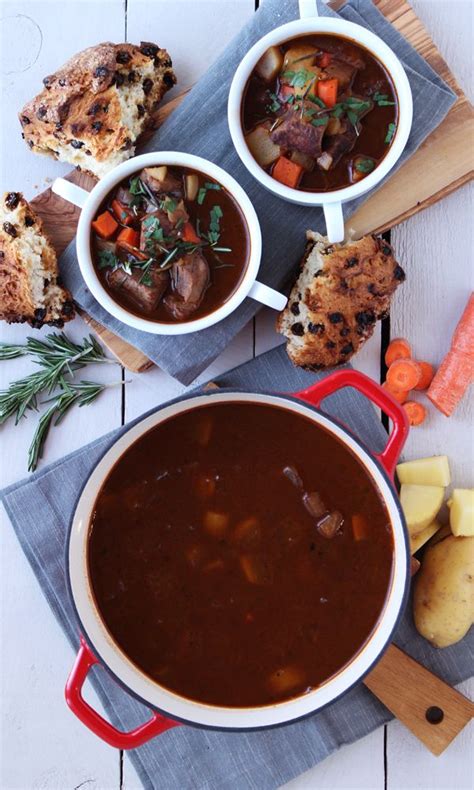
(443, 602)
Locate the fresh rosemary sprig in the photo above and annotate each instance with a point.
(82, 393)
(57, 356)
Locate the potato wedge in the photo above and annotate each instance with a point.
(269, 65)
(443, 600)
(301, 56)
(461, 511)
(262, 148)
(419, 540)
(432, 471)
(420, 505)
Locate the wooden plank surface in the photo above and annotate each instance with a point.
(43, 745)
(402, 196)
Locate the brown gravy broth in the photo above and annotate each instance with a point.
(147, 289)
(370, 82)
(210, 573)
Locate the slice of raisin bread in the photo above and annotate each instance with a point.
(340, 293)
(29, 288)
(93, 109)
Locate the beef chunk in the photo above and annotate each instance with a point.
(341, 71)
(189, 280)
(169, 185)
(337, 146)
(124, 196)
(298, 134)
(150, 237)
(146, 297)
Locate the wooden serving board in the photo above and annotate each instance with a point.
(439, 167)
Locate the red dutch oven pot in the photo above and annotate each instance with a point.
(170, 709)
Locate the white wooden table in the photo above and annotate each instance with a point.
(43, 745)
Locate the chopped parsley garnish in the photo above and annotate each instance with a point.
(382, 100)
(319, 121)
(275, 105)
(170, 205)
(136, 186)
(107, 258)
(316, 100)
(364, 165)
(298, 79)
(392, 128)
(203, 190)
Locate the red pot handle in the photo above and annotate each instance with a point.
(94, 721)
(374, 392)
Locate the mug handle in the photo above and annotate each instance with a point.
(334, 221)
(70, 192)
(94, 721)
(375, 393)
(268, 296)
(308, 8)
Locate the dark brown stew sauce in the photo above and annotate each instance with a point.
(325, 104)
(239, 554)
(170, 244)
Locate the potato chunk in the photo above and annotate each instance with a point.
(432, 471)
(420, 505)
(461, 511)
(419, 540)
(269, 65)
(285, 679)
(301, 55)
(443, 601)
(262, 148)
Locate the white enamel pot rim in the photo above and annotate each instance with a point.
(330, 201)
(186, 710)
(89, 203)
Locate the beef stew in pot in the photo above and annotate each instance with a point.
(170, 244)
(239, 554)
(319, 112)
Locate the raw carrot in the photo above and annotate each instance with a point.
(399, 395)
(122, 213)
(325, 60)
(129, 236)
(398, 348)
(427, 373)
(416, 412)
(403, 374)
(189, 234)
(287, 172)
(105, 225)
(327, 91)
(456, 371)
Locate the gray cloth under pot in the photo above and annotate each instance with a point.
(199, 126)
(189, 758)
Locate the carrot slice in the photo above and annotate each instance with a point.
(427, 373)
(189, 234)
(325, 60)
(105, 225)
(287, 172)
(403, 374)
(141, 256)
(360, 528)
(129, 236)
(399, 395)
(122, 213)
(398, 348)
(327, 91)
(456, 371)
(416, 412)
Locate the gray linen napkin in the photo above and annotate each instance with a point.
(199, 126)
(189, 758)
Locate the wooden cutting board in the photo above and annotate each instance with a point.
(440, 166)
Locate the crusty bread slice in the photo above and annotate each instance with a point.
(29, 287)
(93, 109)
(340, 293)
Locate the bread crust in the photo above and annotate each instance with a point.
(341, 292)
(29, 287)
(93, 109)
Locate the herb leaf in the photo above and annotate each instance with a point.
(392, 128)
(364, 165)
